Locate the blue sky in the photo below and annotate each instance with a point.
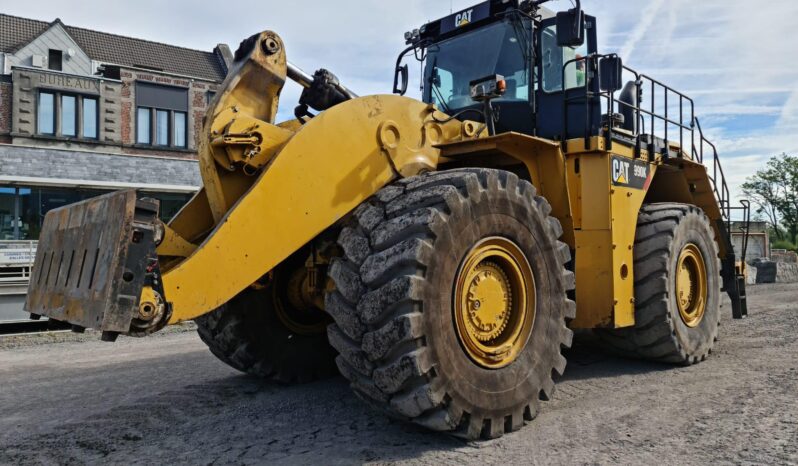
(735, 58)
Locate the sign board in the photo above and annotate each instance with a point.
(630, 173)
(17, 254)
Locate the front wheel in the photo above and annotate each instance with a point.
(273, 331)
(450, 303)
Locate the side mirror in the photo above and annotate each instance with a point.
(611, 73)
(571, 28)
(400, 80)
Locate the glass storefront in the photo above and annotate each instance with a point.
(22, 209)
(8, 210)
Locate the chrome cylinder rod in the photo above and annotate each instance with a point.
(297, 75)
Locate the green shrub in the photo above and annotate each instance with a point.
(784, 244)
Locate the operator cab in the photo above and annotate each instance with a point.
(516, 40)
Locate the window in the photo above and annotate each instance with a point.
(67, 115)
(453, 63)
(209, 96)
(180, 129)
(161, 128)
(143, 125)
(171, 203)
(22, 209)
(89, 118)
(54, 60)
(554, 57)
(46, 113)
(161, 115)
(8, 213)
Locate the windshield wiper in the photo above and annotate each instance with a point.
(434, 86)
(440, 98)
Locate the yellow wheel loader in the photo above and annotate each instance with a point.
(435, 252)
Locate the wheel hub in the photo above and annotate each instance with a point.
(691, 285)
(491, 286)
(494, 302)
(295, 304)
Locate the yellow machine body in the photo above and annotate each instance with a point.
(271, 189)
(597, 212)
(261, 203)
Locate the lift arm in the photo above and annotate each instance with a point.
(269, 189)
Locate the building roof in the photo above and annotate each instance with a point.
(16, 32)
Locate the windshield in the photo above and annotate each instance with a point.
(454, 63)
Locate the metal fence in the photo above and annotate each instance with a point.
(16, 261)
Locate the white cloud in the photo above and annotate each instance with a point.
(642, 28)
(736, 57)
(738, 109)
(789, 113)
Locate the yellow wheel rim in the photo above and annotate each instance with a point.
(494, 306)
(691, 285)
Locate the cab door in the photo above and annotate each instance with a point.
(574, 83)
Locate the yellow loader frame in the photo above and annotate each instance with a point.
(270, 189)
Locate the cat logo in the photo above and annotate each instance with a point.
(620, 171)
(463, 19)
(630, 173)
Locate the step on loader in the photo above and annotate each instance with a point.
(438, 253)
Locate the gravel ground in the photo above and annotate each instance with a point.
(72, 399)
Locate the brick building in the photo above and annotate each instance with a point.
(84, 112)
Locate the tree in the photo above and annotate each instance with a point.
(774, 192)
(761, 191)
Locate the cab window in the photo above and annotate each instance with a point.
(552, 59)
(452, 65)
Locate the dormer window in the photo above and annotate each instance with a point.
(55, 60)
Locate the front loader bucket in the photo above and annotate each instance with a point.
(92, 262)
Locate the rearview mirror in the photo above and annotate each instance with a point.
(611, 73)
(571, 28)
(400, 80)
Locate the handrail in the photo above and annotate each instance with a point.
(722, 193)
(642, 114)
(747, 228)
(640, 79)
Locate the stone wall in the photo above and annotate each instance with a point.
(5, 108)
(29, 83)
(117, 110)
(198, 104)
(758, 246)
(788, 257)
(775, 272)
(86, 167)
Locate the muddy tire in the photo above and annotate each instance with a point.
(662, 331)
(248, 334)
(394, 304)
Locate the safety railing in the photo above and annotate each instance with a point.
(745, 226)
(658, 110)
(718, 178)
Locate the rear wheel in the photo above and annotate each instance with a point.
(450, 302)
(677, 287)
(274, 331)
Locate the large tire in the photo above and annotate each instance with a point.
(249, 334)
(393, 301)
(660, 332)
